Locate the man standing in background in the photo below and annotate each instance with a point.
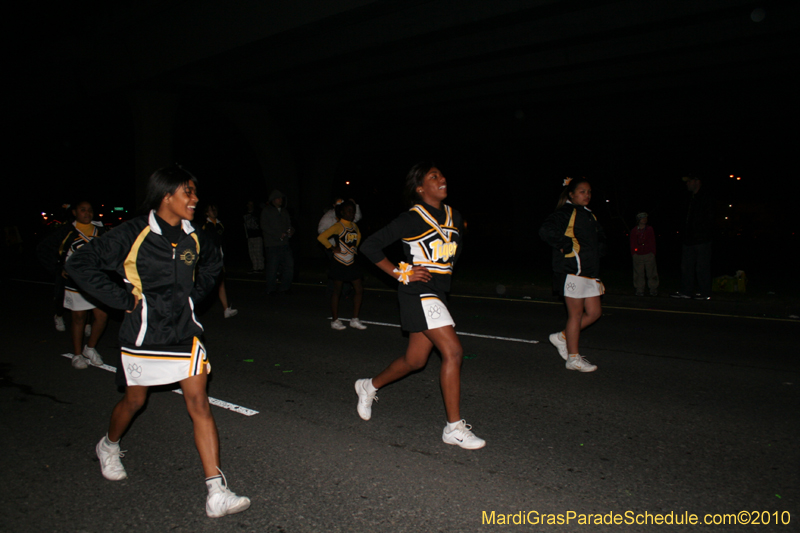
(276, 229)
(697, 235)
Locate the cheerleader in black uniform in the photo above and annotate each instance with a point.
(577, 239)
(343, 262)
(168, 268)
(55, 251)
(431, 233)
(214, 229)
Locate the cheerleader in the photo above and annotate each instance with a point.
(56, 250)
(167, 267)
(344, 267)
(214, 229)
(431, 234)
(577, 240)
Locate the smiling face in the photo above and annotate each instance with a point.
(83, 213)
(433, 188)
(582, 194)
(179, 205)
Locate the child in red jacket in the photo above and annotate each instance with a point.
(643, 250)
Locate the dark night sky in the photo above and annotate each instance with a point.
(505, 156)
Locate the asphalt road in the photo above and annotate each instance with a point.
(687, 414)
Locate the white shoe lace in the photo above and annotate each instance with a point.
(462, 429)
(112, 460)
(369, 398)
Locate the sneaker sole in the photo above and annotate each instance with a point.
(581, 369)
(461, 445)
(233, 510)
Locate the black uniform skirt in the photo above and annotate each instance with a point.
(421, 312)
(339, 272)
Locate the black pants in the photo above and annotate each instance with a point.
(696, 264)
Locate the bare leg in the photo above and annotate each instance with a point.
(78, 323)
(416, 356)
(337, 290)
(581, 313)
(125, 410)
(223, 296)
(359, 288)
(205, 429)
(100, 321)
(446, 341)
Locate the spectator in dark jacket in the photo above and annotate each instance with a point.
(276, 228)
(697, 236)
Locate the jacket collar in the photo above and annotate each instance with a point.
(577, 206)
(155, 228)
(95, 223)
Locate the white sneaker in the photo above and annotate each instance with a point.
(229, 312)
(59, 320)
(365, 398)
(87, 330)
(462, 436)
(79, 362)
(337, 324)
(560, 344)
(578, 362)
(221, 500)
(109, 460)
(356, 323)
(92, 355)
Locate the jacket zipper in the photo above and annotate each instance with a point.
(174, 288)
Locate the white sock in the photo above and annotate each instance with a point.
(109, 443)
(369, 386)
(214, 483)
(574, 354)
(452, 425)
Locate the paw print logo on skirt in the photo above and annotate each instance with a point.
(134, 370)
(434, 311)
(571, 286)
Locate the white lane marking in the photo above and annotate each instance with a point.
(510, 339)
(791, 318)
(225, 405)
(213, 401)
